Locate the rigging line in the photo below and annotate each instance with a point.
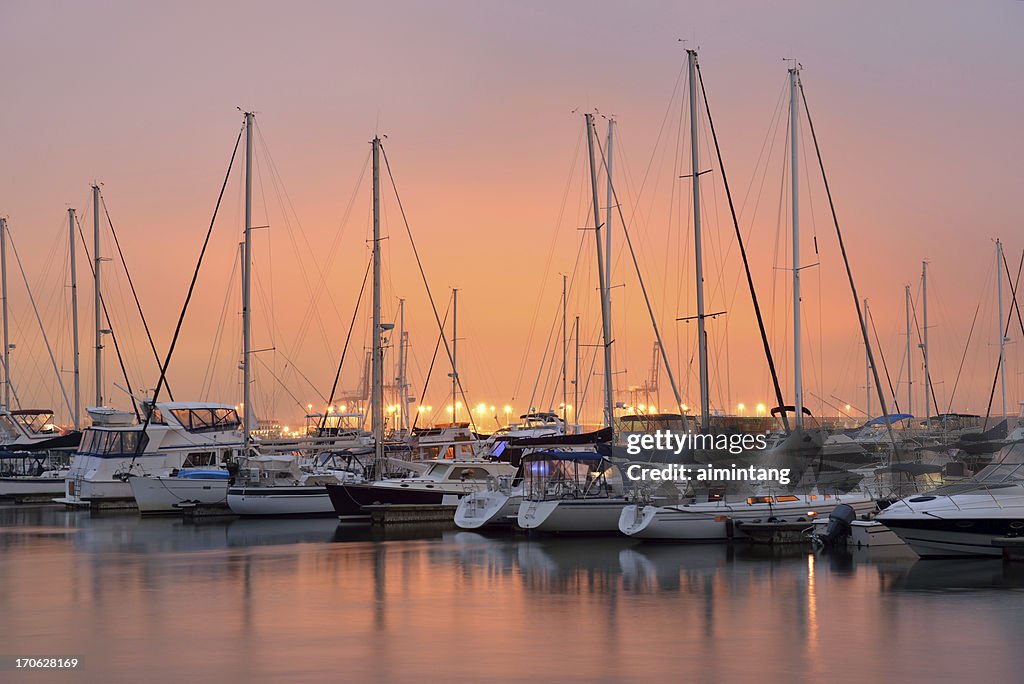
(218, 335)
(849, 272)
(743, 254)
(1013, 290)
(280, 382)
(348, 337)
(430, 369)
(885, 367)
(140, 445)
(32, 299)
(426, 285)
(967, 346)
(131, 284)
(643, 287)
(110, 325)
(1009, 319)
(930, 387)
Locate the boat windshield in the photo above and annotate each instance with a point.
(207, 419)
(111, 442)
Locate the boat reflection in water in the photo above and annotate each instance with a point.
(288, 600)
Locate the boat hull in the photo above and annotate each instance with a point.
(281, 502)
(16, 487)
(571, 516)
(349, 500)
(722, 521)
(487, 509)
(166, 495)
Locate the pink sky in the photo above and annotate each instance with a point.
(917, 106)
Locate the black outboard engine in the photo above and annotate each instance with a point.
(838, 526)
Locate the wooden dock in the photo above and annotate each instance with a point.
(778, 532)
(385, 515)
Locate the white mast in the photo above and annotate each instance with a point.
(3, 294)
(377, 389)
(910, 359)
(924, 345)
(455, 367)
(565, 354)
(794, 111)
(76, 416)
(999, 322)
(867, 364)
(702, 344)
(403, 411)
(608, 217)
(576, 380)
(97, 290)
(609, 411)
(248, 419)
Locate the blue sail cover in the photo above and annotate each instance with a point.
(893, 418)
(198, 474)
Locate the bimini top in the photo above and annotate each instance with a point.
(893, 418)
(554, 455)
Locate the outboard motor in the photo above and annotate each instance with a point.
(838, 526)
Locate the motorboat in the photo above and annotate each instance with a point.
(179, 435)
(444, 482)
(180, 489)
(722, 520)
(963, 519)
(279, 486)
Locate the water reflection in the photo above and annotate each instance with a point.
(305, 600)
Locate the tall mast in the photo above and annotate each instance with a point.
(565, 354)
(910, 359)
(76, 416)
(924, 345)
(403, 410)
(794, 112)
(576, 380)
(249, 415)
(377, 389)
(702, 340)
(455, 367)
(97, 258)
(867, 365)
(608, 217)
(3, 295)
(609, 411)
(999, 321)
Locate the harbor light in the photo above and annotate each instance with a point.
(760, 409)
(740, 408)
(309, 407)
(450, 409)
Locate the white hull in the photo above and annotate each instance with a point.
(481, 509)
(170, 494)
(573, 516)
(710, 522)
(280, 501)
(80, 491)
(872, 533)
(13, 487)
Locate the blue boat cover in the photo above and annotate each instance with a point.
(893, 418)
(202, 474)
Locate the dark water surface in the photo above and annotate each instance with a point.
(306, 601)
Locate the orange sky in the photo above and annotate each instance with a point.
(916, 107)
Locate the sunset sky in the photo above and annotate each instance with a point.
(917, 106)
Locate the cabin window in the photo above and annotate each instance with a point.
(468, 473)
(200, 458)
(759, 499)
(103, 442)
(788, 497)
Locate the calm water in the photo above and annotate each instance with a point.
(297, 601)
